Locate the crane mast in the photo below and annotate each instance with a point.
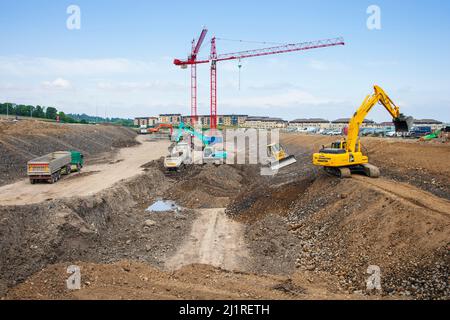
(196, 46)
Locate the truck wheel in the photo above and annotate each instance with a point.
(32, 181)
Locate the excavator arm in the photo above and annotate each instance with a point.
(401, 123)
(205, 139)
(160, 126)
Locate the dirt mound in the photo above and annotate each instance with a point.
(210, 186)
(306, 234)
(421, 164)
(25, 140)
(341, 227)
(133, 280)
(104, 228)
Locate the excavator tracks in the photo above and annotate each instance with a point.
(346, 172)
(371, 170)
(342, 173)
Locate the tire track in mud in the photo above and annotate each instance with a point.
(214, 240)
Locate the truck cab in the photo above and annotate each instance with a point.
(77, 161)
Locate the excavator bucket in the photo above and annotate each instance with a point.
(403, 124)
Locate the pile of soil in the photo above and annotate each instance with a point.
(341, 227)
(420, 163)
(24, 140)
(210, 186)
(133, 280)
(309, 235)
(104, 228)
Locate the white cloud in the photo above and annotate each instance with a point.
(59, 83)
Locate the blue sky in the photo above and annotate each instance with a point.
(120, 62)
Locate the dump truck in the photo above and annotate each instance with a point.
(179, 157)
(52, 166)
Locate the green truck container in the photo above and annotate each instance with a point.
(77, 161)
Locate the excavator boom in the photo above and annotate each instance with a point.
(401, 123)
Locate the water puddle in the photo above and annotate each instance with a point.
(163, 206)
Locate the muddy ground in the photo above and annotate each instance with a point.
(298, 235)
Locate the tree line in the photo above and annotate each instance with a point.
(52, 113)
(28, 111)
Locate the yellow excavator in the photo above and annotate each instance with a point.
(345, 157)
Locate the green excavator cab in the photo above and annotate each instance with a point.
(403, 123)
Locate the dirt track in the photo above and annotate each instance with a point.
(409, 194)
(214, 240)
(94, 178)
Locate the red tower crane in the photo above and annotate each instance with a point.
(192, 59)
(214, 58)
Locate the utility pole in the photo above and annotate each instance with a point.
(31, 112)
(13, 105)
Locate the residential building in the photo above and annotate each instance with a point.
(222, 120)
(434, 124)
(174, 118)
(310, 123)
(265, 123)
(342, 123)
(234, 120)
(145, 121)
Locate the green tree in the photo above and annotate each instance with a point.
(65, 118)
(50, 113)
(39, 112)
(22, 110)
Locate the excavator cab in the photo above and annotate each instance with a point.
(335, 148)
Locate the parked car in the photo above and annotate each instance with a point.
(335, 133)
(391, 134)
(418, 132)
